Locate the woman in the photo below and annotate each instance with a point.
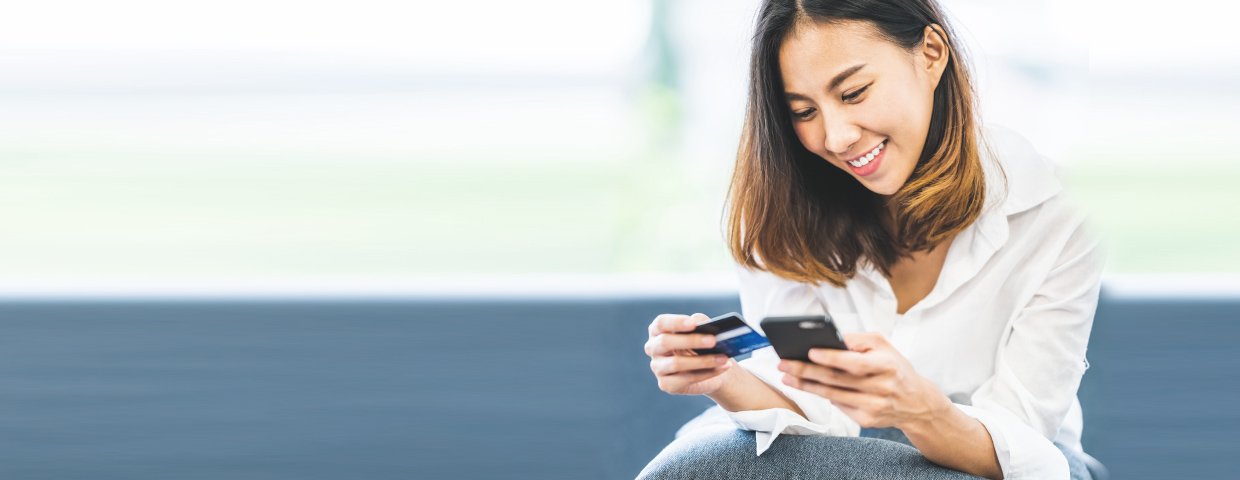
(964, 285)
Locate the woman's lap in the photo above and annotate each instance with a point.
(718, 452)
(711, 447)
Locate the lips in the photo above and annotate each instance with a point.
(868, 163)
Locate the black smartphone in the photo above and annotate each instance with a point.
(792, 337)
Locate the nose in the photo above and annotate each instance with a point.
(841, 135)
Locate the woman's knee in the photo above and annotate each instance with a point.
(722, 453)
(700, 453)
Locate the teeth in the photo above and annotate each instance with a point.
(863, 161)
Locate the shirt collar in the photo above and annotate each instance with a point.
(1017, 178)
(1030, 177)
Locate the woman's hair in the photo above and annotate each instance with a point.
(794, 214)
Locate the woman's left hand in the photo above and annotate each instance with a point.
(871, 382)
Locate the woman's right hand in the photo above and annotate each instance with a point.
(680, 370)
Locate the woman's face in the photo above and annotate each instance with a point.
(860, 101)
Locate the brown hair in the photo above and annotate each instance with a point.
(794, 214)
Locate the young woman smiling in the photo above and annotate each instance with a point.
(966, 288)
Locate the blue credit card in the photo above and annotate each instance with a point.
(733, 337)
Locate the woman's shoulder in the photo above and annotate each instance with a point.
(1039, 216)
(1018, 177)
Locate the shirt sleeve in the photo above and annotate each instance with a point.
(764, 294)
(1040, 361)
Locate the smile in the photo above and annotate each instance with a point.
(867, 158)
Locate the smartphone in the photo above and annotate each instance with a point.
(792, 337)
(732, 336)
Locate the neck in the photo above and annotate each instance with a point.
(889, 211)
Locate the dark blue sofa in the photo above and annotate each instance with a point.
(419, 387)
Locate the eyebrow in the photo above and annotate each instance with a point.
(835, 82)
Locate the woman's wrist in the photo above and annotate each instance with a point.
(939, 410)
(953, 439)
(731, 394)
(743, 391)
(728, 396)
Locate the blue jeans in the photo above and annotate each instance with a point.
(717, 450)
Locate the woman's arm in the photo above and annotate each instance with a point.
(877, 387)
(1020, 409)
(957, 441)
(753, 396)
(742, 391)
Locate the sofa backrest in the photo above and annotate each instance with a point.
(483, 388)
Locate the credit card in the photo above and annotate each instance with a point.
(733, 337)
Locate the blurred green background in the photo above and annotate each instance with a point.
(74, 212)
(286, 158)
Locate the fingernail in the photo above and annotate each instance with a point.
(689, 323)
(783, 366)
(707, 341)
(787, 380)
(721, 360)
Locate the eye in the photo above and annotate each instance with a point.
(848, 97)
(804, 114)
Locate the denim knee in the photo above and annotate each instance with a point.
(699, 453)
(727, 453)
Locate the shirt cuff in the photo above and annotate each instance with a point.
(821, 417)
(1023, 452)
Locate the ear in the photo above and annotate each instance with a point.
(935, 51)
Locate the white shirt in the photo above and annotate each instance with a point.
(1003, 333)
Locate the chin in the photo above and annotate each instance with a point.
(882, 188)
